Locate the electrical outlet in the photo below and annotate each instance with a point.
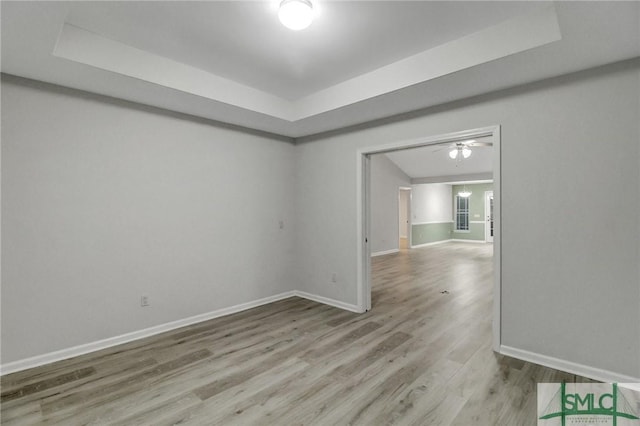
(144, 301)
(334, 278)
(281, 224)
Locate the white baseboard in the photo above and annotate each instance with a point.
(568, 366)
(50, 357)
(328, 301)
(382, 253)
(469, 241)
(431, 244)
(432, 223)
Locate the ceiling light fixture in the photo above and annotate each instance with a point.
(465, 193)
(296, 14)
(460, 150)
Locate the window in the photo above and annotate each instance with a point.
(462, 213)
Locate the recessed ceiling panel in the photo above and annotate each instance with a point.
(359, 61)
(245, 42)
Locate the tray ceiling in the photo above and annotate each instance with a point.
(359, 60)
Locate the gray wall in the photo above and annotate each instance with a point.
(386, 179)
(104, 201)
(571, 280)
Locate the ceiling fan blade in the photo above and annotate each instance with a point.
(440, 148)
(480, 144)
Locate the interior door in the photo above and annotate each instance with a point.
(488, 213)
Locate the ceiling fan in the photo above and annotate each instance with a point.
(461, 150)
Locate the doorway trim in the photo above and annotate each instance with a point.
(408, 224)
(488, 238)
(363, 213)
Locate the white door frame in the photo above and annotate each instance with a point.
(363, 213)
(487, 213)
(408, 224)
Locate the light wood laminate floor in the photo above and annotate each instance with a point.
(422, 356)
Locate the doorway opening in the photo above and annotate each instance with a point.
(491, 134)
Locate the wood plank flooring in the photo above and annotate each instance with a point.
(421, 356)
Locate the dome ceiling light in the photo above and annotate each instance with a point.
(296, 14)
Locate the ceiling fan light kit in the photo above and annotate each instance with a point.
(296, 14)
(461, 150)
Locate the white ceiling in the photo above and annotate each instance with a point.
(229, 39)
(434, 161)
(232, 61)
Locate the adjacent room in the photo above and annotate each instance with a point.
(432, 194)
(318, 212)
